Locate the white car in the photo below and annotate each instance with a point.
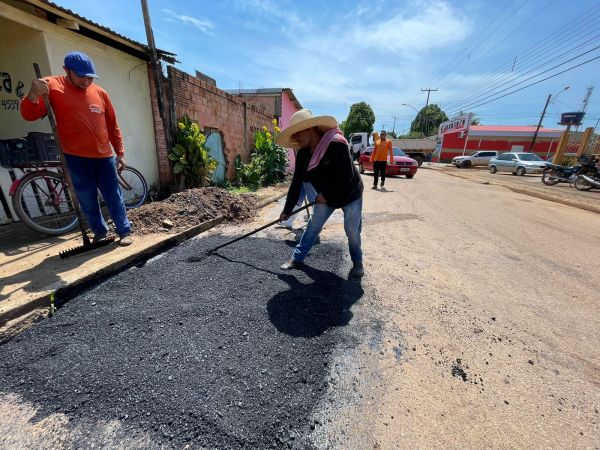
(481, 158)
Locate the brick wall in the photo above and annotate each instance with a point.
(165, 173)
(211, 107)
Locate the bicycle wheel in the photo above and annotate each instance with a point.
(43, 202)
(133, 186)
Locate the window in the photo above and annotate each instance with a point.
(356, 139)
(487, 154)
(529, 157)
(504, 157)
(398, 152)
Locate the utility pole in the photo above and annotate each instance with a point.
(394, 126)
(429, 91)
(154, 59)
(540, 122)
(586, 99)
(543, 114)
(426, 127)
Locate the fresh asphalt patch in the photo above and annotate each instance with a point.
(227, 352)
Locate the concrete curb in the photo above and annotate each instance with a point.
(70, 290)
(532, 192)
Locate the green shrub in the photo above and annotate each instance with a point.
(192, 161)
(268, 161)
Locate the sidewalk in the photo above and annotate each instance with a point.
(31, 270)
(529, 185)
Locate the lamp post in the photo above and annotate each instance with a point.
(411, 106)
(543, 114)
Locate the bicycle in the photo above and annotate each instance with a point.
(42, 200)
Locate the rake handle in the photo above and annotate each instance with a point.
(260, 228)
(63, 163)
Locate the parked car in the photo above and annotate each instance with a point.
(518, 163)
(481, 158)
(403, 165)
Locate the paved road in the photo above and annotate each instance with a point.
(475, 326)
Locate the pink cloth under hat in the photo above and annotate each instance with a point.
(333, 135)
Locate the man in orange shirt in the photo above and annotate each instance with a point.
(379, 156)
(86, 126)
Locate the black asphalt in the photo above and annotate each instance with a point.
(228, 352)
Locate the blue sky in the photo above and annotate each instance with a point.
(333, 54)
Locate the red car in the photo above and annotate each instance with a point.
(403, 165)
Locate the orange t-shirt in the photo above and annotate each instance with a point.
(85, 119)
(381, 151)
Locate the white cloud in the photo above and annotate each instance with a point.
(204, 25)
(435, 25)
(368, 55)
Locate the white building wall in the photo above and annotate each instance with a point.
(27, 39)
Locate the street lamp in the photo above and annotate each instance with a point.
(543, 114)
(410, 106)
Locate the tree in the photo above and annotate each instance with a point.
(412, 135)
(392, 134)
(474, 119)
(428, 120)
(360, 119)
(342, 125)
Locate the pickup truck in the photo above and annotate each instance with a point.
(418, 149)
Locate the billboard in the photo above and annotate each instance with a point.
(456, 124)
(571, 118)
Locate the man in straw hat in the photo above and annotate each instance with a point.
(324, 160)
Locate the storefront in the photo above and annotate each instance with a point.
(499, 138)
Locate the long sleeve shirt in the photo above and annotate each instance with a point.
(382, 150)
(85, 119)
(335, 177)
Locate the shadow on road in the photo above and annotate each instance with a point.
(308, 310)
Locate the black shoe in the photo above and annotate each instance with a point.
(291, 264)
(357, 270)
(374, 186)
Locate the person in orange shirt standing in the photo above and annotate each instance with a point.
(87, 127)
(379, 157)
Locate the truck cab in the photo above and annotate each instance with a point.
(357, 142)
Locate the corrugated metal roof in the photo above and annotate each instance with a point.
(67, 13)
(266, 92)
(504, 128)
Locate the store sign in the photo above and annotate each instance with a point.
(457, 124)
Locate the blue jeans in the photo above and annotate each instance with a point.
(352, 226)
(90, 175)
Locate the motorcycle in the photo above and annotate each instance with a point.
(591, 178)
(554, 174)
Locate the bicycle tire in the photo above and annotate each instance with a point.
(35, 206)
(133, 187)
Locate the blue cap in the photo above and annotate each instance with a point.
(81, 64)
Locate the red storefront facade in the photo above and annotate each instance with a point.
(499, 138)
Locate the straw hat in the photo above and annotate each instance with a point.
(303, 120)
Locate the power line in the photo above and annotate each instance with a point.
(531, 17)
(537, 82)
(534, 76)
(548, 41)
(495, 88)
(490, 79)
(484, 29)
